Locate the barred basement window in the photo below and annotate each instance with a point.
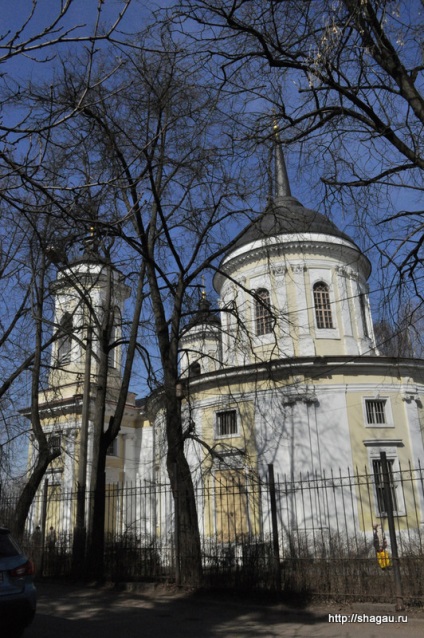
(322, 306)
(226, 423)
(263, 315)
(379, 486)
(375, 411)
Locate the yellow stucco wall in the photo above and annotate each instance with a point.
(394, 437)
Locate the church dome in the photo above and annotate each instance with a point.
(203, 316)
(286, 266)
(286, 221)
(286, 216)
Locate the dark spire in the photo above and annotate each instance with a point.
(281, 179)
(91, 245)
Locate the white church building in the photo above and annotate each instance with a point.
(284, 370)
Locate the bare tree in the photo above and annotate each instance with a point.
(26, 336)
(30, 43)
(147, 143)
(345, 80)
(400, 334)
(36, 30)
(45, 454)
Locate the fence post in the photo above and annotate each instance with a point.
(387, 493)
(274, 522)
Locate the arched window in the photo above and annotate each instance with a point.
(263, 316)
(65, 339)
(111, 357)
(362, 305)
(115, 332)
(322, 305)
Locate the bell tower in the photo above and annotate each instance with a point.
(89, 296)
(89, 293)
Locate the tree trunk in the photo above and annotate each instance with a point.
(187, 540)
(45, 454)
(96, 537)
(96, 523)
(28, 493)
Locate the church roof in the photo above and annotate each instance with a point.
(286, 215)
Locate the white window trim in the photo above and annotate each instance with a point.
(261, 340)
(390, 447)
(226, 436)
(387, 412)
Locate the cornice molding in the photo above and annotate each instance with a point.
(312, 370)
(283, 246)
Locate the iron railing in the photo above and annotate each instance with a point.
(318, 535)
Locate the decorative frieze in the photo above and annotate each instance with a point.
(298, 269)
(279, 271)
(307, 395)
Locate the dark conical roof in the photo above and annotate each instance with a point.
(283, 216)
(286, 215)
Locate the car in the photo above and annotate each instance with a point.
(18, 597)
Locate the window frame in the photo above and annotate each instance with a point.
(218, 429)
(323, 307)
(363, 312)
(112, 450)
(111, 355)
(377, 472)
(115, 334)
(264, 320)
(390, 447)
(64, 344)
(388, 418)
(55, 442)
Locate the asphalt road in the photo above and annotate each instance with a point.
(69, 611)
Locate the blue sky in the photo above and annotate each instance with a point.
(83, 14)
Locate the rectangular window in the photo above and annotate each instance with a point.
(113, 448)
(226, 423)
(55, 443)
(376, 411)
(380, 488)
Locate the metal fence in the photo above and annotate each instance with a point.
(312, 535)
